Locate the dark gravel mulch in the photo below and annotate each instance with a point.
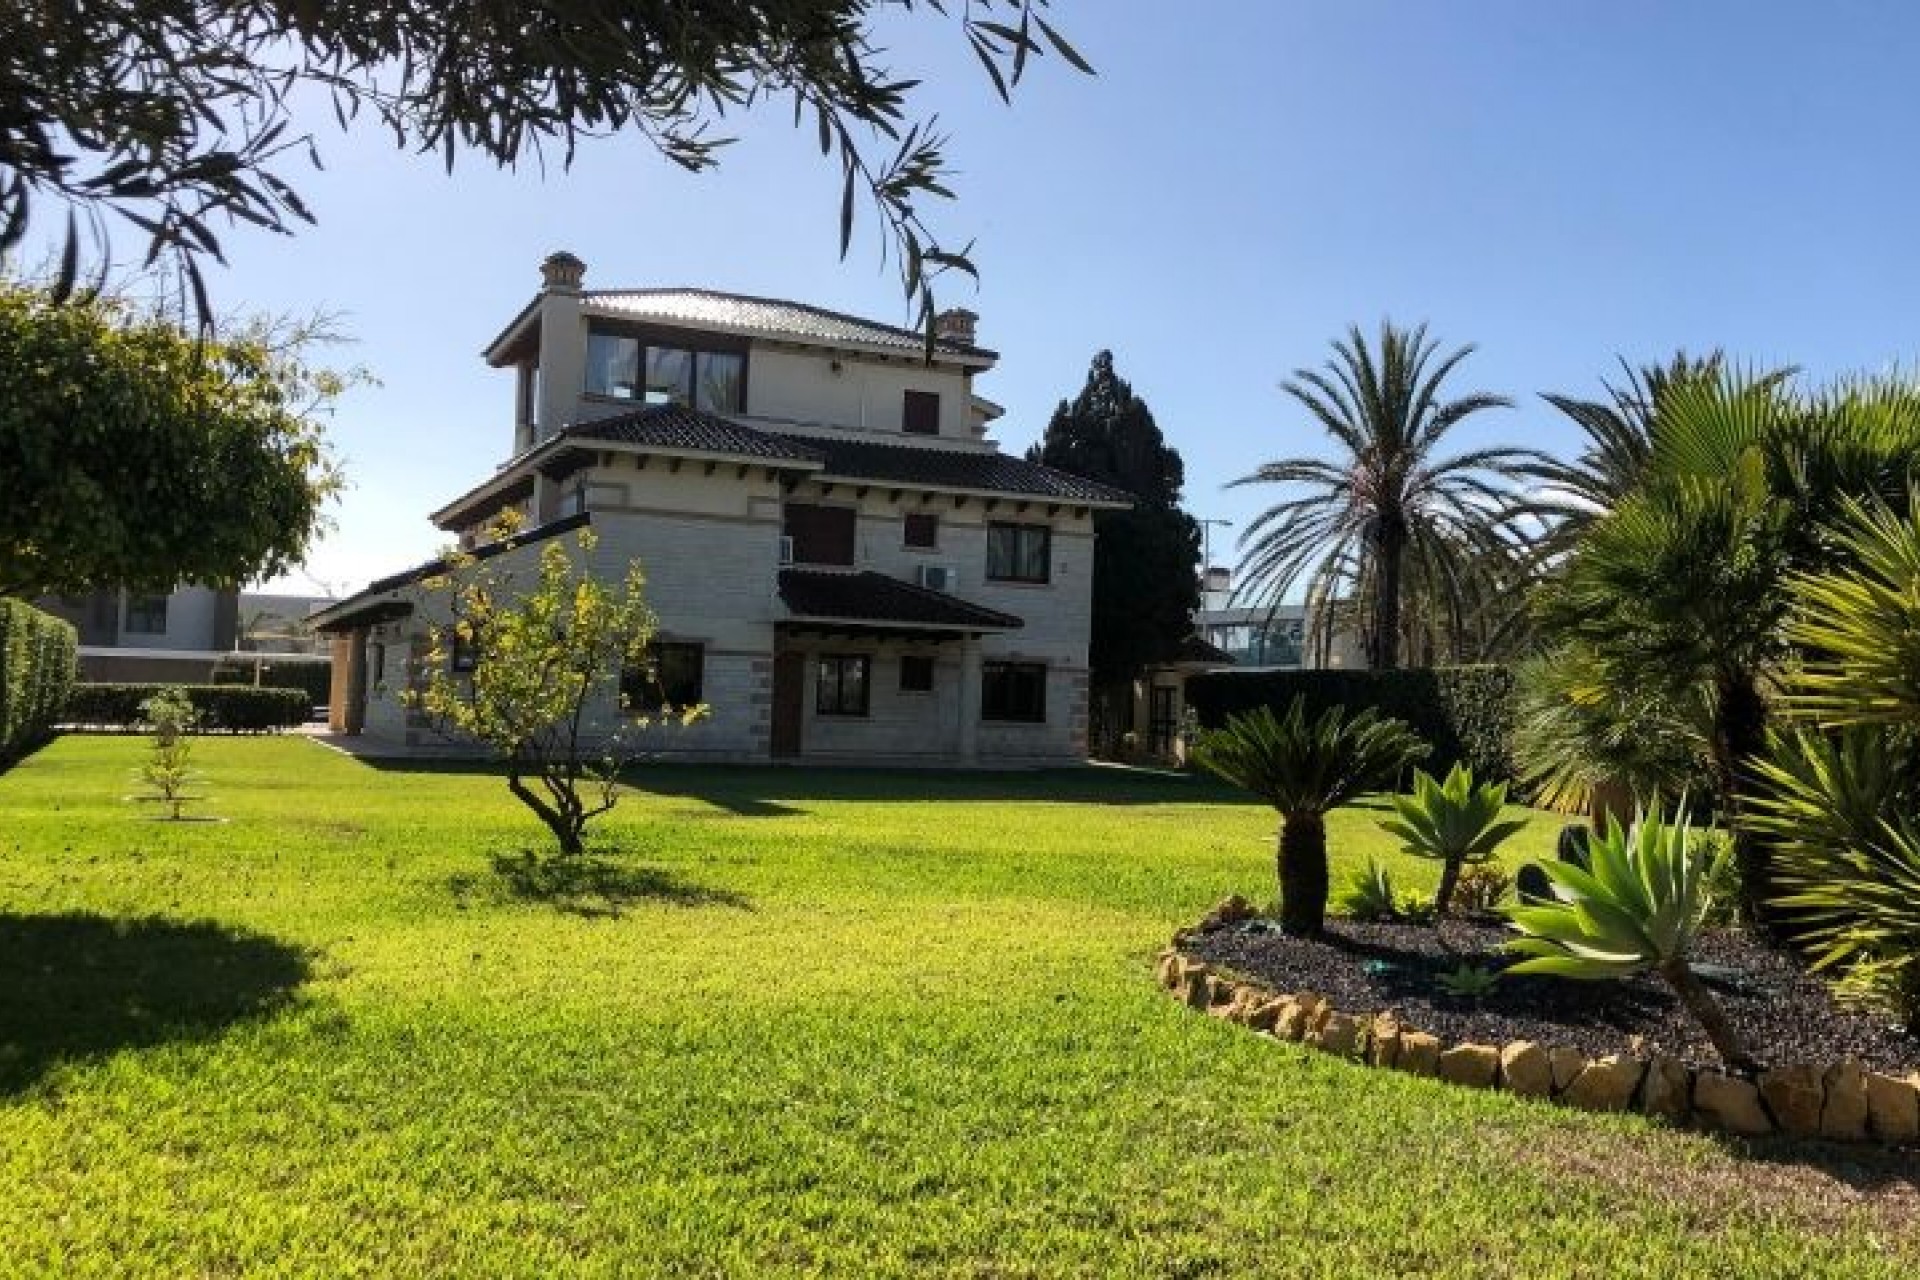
(1787, 1015)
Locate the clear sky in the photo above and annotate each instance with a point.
(1561, 183)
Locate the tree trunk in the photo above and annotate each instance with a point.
(1449, 879)
(1707, 1012)
(1740, 735)
(565, 827)
(1390, 549)
(1302, 858)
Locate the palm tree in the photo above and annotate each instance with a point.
(1387, 502)
(1306, 769)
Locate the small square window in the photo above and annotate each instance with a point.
(920, 413)
(1015, 691)
(923, 530)
(916, 673)
(671, 677)
(147, 615)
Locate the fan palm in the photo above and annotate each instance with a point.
(1387, 500)
(1305, 769)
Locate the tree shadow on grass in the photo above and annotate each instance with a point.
(1867, 1169)
(586, 885)
(76, 986)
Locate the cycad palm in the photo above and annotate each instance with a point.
(1387, 499)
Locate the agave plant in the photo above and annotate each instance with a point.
(1304, 769)
(1456, 821)
(1640, 907)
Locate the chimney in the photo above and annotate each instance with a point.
(563, 344)
(956, 325)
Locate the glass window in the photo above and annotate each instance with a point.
(671, 676)
(1013, 691)
(613, 365)
(723, 377)
(923, 530)
(916, 673)
(669, 376)
(840, 687)
(1019, 552)
(147, 615)
(466, 648)
(920, 413)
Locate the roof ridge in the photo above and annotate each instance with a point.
(830, 313)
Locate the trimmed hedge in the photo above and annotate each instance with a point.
(223, 708)
(1466, 713)
(38, 657)
(280, 671)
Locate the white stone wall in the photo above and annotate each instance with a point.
(862, 393)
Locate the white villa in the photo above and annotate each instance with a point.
(844, 566)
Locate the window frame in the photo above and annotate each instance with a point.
(932, 522)
(800, 557)
(917, 405)
(655, 695)
(840, 662)
(145, 606)
(920, 661)
(691, 344)
(463, 655)
(999, 711)
(1020, 531)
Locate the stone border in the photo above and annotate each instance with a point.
(1843, 1102)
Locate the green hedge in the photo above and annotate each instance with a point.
(280, 671)
(38, 653)
(223, 708)
(1466, 713)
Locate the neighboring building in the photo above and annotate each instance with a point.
(843, 564)
(270, 623)
(151, 636)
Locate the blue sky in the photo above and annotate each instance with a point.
(1560, 183)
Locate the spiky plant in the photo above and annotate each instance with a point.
(1639, 908)
(1305, 768)
(1387, 500)
(1456, 821)
(1861, 624)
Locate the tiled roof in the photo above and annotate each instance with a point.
(674, 426)
(772, 317)
(365, 605)
(954, 469)
(1198, 649)
(875, 598)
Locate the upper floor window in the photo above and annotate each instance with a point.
(1019, 552)
(628, 369)
(671, 676)
(821, 535)
(147, 615)
(922, 530)
(920, 413)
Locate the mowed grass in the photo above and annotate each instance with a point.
(783, 1022)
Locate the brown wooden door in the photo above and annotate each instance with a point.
(789, 702)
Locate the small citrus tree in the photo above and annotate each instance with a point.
(168, 717)
(545, 658)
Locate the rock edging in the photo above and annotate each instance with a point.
(1841, 1102)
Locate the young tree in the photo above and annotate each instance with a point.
(145, 458)
(1144, 585)
(548, 662)
(177, 115)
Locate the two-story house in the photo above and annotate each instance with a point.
(844, 566)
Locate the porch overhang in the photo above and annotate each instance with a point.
(867, 604)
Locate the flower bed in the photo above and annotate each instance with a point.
(1600, 1046)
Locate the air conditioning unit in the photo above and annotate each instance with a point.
(786, 549)
(934, 577)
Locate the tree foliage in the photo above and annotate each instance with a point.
(178, 116)
(1387, 515)
(135, 455)
(1144, 585)
(548, 655)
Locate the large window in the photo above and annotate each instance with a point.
(672, 676)
(923, 530)
(146, 615)
(840, 687)
(821, 535)
(1014, 691)
(628, 369)
(1019, 552)
(920, 413)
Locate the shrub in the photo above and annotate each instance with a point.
(1482, 888)
(1304, 769)
(1454, 821)
(220, 708)
(307, 672)
(37, 656)
(1370, 894)
(1639, 908)
(1466, 714)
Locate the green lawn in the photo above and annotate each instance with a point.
(793, 1022)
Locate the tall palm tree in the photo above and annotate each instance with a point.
(1386, 502)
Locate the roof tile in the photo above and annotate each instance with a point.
(875, 598)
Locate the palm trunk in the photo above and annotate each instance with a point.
(1740, 735)
(1302, 865)
(1449, 879)
(1707, 1012)
(1389, 548)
